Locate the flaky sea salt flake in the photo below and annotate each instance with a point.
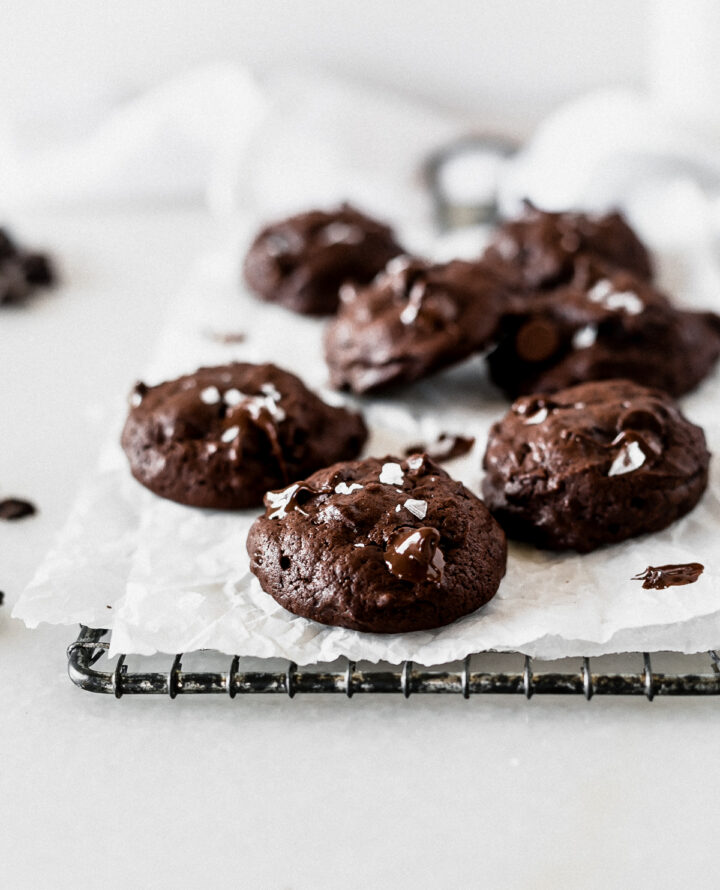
(630, 458)
(418, 508)
(391, 474)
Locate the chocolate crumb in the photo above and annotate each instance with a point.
(15, 508)
(22, 272)
(227, 338)
(2, 597)
(447, 447)
(660, 577)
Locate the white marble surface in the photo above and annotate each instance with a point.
(268, 793)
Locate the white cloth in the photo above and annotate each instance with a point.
(618, 149)
(179, 140)
(216, 134)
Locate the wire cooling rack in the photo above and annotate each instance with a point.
(406, 679)
(526, 679)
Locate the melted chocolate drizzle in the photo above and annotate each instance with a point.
(246, 414)
(282, 501)
(266, 422)
(15, 508)
(647, 441)
(660, 577)
(413, 555)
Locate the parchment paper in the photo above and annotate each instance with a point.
(170, 578)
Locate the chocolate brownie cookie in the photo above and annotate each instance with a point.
(414, 319)
(593, 465)
(384, 546)
(222, 437)
(21, 271)
(301, 262)
(603, 325)
(543, 248)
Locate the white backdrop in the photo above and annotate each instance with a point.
(501, 60)
(546, 794)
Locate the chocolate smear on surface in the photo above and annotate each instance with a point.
(660, 577)
(16, 508)
(447, 447)
(227, 338)
(413, 555)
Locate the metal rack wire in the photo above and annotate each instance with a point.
(448, 212)
(405, 680)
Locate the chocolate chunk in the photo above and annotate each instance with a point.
(660, 577)
(21, 272)
(537, 340)
(413, 554)
(8, 247)
(16, 508)
(281, 502)
(38, 269)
